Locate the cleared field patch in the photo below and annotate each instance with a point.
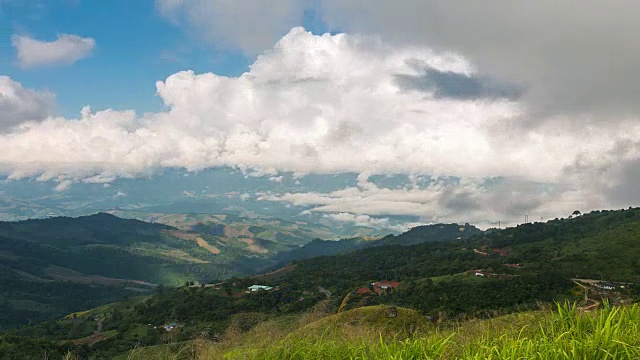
(253, 246)
(232, 232)
(195, 238)
(205, 245)
(64, 274)
(181, 255)
(95, 338)
(30, 277)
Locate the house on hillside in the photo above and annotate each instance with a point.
(254, 288)
(378, 287)
(515, 266)
(170, 326)
(384, 284)
(605, 285)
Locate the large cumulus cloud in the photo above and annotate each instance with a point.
(324, 104)
(335, 104)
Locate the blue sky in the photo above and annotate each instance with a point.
(135, 47)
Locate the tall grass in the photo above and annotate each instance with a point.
(566, 333)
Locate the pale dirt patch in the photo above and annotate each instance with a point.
(203, 244)
(231, 232)
(194, 237)
(253, 246)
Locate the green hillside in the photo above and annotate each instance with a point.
(55, 266)
(435, 285)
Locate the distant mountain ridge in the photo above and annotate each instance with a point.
(416, 235)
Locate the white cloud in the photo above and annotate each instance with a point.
(66, 49)
(63, 185)
(19, 105)
(325, 104)
(335, 104)
(469, 200)
(368, 221)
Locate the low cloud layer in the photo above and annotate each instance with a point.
(483, 202)
(66, 49)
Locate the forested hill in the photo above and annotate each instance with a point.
(417, 235)
(601, 244)
(51, 267)
(432, 233)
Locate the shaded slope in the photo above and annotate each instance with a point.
(417, 235)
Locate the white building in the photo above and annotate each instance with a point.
(259, 288)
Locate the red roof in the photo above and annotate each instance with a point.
(363, 290)
(392, 284)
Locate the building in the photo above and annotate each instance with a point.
(254, 288)
(170, 326)
(378, 287)
(605, 285)
(384, 284)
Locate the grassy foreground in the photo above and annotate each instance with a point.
(367, 333)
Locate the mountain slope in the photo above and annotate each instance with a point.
(51, 267)
(417, 235)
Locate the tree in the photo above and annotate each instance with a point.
(576, 213)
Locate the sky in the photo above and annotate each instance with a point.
(478, 112)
